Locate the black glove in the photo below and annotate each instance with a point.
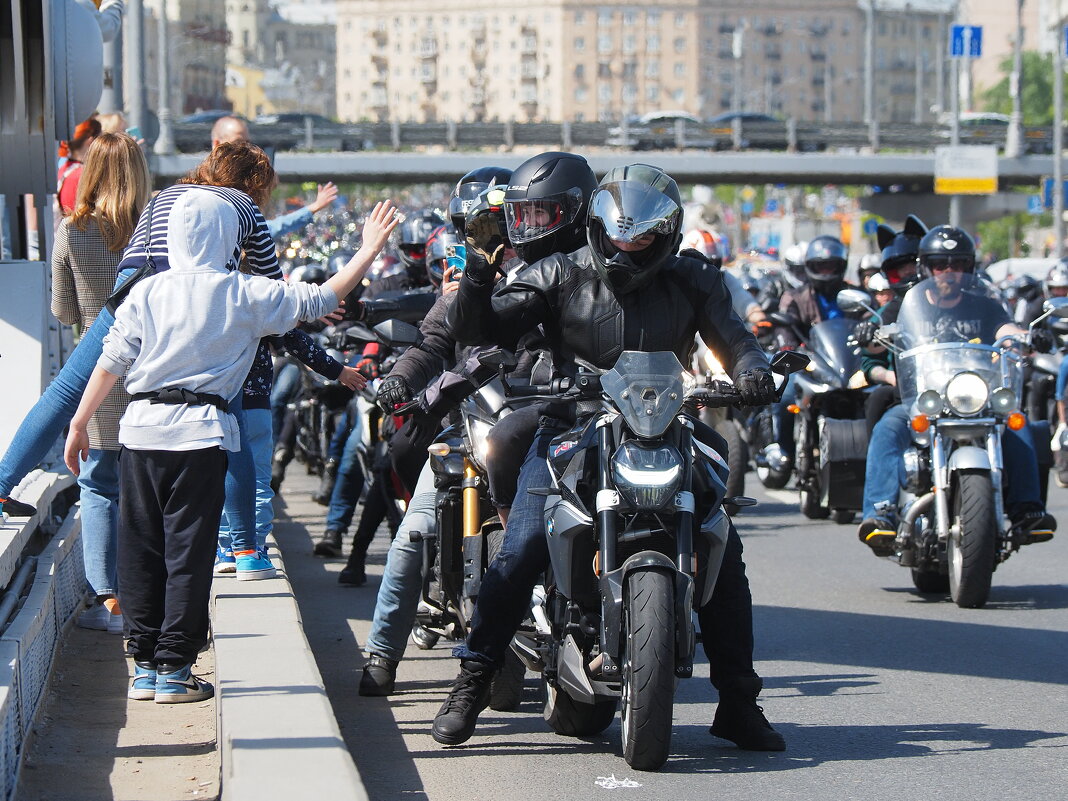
(756, 387)
(484, 239)
(393, 391)
(368, 367)
(1042, 340)
(421, 426)
(864, 333)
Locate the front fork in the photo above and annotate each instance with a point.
(942, 477)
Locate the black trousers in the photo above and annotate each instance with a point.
(169, 508)
(509, 441)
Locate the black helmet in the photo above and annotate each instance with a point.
(944, 246)
(825, 263)
(468, 188)
(630, 204)
(900, 250)
(546, 205)
(442, 246)
(1027, 287)
(414, 232)
(308, 274)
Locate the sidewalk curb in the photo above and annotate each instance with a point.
(277, 735)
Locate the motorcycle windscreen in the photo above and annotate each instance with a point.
(647, 389)
(948, 325)
(830, 340)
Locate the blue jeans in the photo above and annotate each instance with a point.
(286, 385)
(99, 483)
(890, 438)
(1062, 380)
(348, 486)
(784, 418)
(53, 411)
(256, 440)
(402, 581)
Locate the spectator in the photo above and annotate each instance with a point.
(111, 195)
(71, 155)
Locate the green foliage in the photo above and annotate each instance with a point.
(1036, 89)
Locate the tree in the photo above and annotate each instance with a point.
(1036, 89)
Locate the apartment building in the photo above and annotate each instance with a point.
(197, 41)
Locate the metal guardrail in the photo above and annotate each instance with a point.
(788, 135)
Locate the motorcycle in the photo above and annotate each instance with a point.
(960, 397)
(636, 534)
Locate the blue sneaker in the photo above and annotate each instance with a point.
(225, 563)
(143, 687)
(254, 565)
(178, 685)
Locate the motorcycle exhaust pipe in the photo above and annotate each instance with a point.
(919, 506)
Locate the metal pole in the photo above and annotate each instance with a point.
(954, 200)
(940, 67)
(737, 48)
(165, 142)
(1058, 138)
(921, 67)
(828, 98)
(111, 98)
(1014, 137)
(135, 56)
(869, 62)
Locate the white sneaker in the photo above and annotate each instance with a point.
(96, 617)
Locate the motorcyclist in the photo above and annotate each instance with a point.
(947, 256)
(1030, 296)
(793, 264)
(870, 264)
(545, 205)
(625, 290)
(815, 301)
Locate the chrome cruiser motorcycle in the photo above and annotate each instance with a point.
(636, 534)
(960, 397)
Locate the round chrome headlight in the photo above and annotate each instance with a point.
(929, 402)
(1003, 400)
(967, 393)
(647, 476)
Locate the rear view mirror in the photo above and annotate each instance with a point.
(854, 300)
(786, 362)
(397, 334)
(498, 358)
(1058, 307)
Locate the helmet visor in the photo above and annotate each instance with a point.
(629, 211)
(939, 261)
(529, 220)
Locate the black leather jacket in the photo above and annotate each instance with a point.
(587, 325)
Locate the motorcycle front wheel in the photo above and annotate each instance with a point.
(648, 668)
(971, 548)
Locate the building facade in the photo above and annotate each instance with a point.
(197, 40)
(567, 60)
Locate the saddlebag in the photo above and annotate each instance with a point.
(843, 450)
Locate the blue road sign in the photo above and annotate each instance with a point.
(1064, 39)
(966, 41)
(871, 225)
(1047, 192)
(747, 207)
(771, 206)
(1035, 205)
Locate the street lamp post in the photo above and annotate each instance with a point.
(1014, 137)
(165, 142)
(1058, 137)
(135, 55)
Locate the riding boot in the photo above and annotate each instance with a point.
(281, 459)
(326, 483)
(740, 720)
(469, 695)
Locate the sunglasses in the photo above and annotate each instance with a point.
(956, 263)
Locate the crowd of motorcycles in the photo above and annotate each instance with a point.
(952, 531)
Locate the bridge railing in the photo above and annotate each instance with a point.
(788, 135)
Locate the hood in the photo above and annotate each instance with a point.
(202, 232)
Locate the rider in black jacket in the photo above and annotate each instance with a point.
(626, 290)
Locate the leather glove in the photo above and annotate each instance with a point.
(368, 367)
(756, 387)
(485, 240)
(393, 391)
(864, 333)
(1042, 340)
(421, 426)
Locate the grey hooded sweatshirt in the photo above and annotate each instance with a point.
(196, 326)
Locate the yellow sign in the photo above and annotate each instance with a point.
(965, 186)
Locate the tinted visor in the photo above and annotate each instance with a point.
(961, 263)
(529, 220)
(629, 210)
(827, 267)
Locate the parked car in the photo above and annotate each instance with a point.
(209, 116)
(658, 130)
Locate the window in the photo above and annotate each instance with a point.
(604, 43)
(679, 96)
(680, 69)
(652, 44)
(580, 17)
(652, 17)
(652, 93)
(604, 92)
(630, 17)
(580, 72)
(680, 20)
(604, 16)
(652, 69)
(604, 70)
(628, 44)
(582, 94)
(680, 45)
(580, 44)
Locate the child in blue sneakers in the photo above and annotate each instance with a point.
(186, 338)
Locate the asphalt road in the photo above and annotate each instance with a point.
(880, 693)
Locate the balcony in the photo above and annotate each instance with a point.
(380, 35)
(818, 55)
(726, 52)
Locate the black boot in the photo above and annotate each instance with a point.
(279, 462)
(470, 694)
(352, 575)
(328, 544)
(740, 720)
(379, 676)
(326, 483)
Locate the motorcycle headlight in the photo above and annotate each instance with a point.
(478, 433)
(1003, 400)
(929, 402)
(967, 393)
(647, 476)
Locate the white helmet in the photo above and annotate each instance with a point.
(878, 283)
(793, 261)
(704, 242)
(1057, 277)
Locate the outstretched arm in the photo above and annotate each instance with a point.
(100, 384)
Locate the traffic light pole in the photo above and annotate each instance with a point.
(1058, 138)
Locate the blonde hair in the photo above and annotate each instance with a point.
(113, 122)
(113, 189)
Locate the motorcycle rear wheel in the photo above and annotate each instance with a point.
(648, 668)
(971, 551)
(810, 506)
(570, 718)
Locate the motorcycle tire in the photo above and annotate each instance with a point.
(810, 506)
(772, 479)
(506, 689)
(971, 552)
(737, 461)
(570, 718)
(648, 668)
(843, 517)
(930, 582)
